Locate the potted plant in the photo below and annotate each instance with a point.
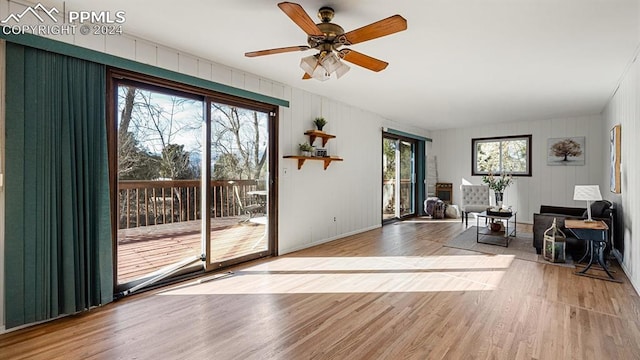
(305, 149)
(320, 123)
(498, 185)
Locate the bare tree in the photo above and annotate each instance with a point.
(158, 119)
(150, 126)
(127, 108)
(260, 158)
(236, 137)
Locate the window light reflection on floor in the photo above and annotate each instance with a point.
(295, 275)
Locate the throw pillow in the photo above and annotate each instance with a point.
(598, 209)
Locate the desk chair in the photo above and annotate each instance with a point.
(475, 199)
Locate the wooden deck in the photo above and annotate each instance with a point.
(146, 249)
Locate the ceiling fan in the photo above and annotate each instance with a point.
(328, 38)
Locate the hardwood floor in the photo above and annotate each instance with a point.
(390, 293)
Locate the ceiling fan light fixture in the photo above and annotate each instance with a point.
(330, 62)
(309, 64)
(320, 73)
(342, 69)
(322, 65)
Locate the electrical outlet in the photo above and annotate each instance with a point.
(334, 219)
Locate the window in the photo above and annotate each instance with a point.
(496, 155)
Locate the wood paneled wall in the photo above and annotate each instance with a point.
(624, 109)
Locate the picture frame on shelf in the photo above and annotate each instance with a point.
(320, 152)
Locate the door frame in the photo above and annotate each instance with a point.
(272, 202)
(416, 147)
(116, 75)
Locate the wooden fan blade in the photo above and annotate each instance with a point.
(363, 60)
(296, 13)
(306, 76)
(276, 50)
(388, 26)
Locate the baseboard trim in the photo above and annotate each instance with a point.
(333, 238)
(4, 330)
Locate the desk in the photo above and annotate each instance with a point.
(595, 232)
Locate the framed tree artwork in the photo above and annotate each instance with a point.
(566, 151)
(614, 146)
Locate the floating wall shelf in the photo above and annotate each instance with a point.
(301, 159)
(313, 134)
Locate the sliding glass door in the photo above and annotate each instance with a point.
(398, 177)
(239, 218)
(406, 181)
(389, 196)
(159, 151)
(193, 184)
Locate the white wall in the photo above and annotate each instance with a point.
(349, 191)
(624, 109)
(549, 185)
(310, 198)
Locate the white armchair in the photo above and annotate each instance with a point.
(475, 199)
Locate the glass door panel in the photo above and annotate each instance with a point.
(159, 151)
(388, 178)
(239, 201)
(398, 177)
(406, 179)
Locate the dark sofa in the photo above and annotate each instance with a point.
(600, 210)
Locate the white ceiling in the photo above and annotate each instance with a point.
(460, 62)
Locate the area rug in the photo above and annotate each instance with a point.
(521, 247)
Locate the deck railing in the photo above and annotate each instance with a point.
(155, 202)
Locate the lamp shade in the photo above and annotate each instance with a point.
(322, 65)
(330, 62)
(587, 192)
(320, 73)
(309, 64)
(342, 69)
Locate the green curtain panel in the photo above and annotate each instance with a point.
(58, 254)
